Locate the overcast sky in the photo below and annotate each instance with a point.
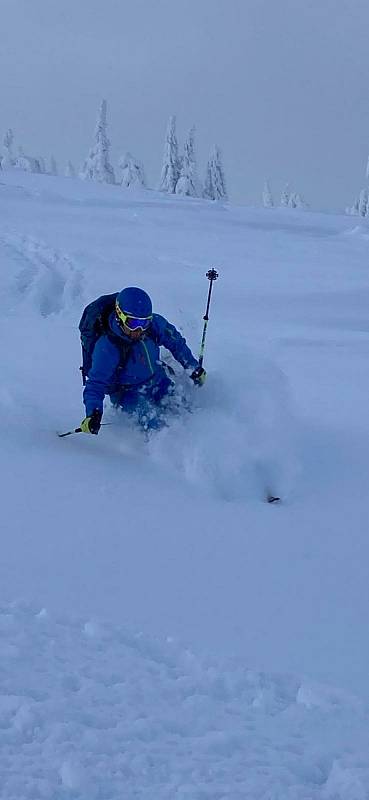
(280, 85)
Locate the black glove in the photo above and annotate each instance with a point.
(92, 423)
(198, 376)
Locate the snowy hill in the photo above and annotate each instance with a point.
(172, 538)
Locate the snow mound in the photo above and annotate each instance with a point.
(92, 710)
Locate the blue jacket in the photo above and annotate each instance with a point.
(143, 365)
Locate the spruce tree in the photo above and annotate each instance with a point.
(215, 185)
(300, 201)
(26, 163)
(97, 166)
(70, 172)
(363, 204)
(171, 166)
(285, 196)
(188, 182)
(267, 197)
(8, 160)
(132, 171)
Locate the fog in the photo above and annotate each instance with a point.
(279, 85)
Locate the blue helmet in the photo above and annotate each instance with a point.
(135, 302)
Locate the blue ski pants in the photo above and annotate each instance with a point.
(145, 402)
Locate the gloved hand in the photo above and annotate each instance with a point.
(198, 376)
(92, 424)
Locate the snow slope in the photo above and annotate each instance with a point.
(172, 537)
(93, 711)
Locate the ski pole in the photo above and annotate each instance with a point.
(69, 433)
(212, 275)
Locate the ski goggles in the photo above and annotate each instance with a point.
(133, 323)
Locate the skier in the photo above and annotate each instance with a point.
(125, 359)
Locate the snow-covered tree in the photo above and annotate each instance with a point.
(42, 164)
(26, 163)
(268, 201)
(188, 182)
(354, 209)
(97, 166)
(70, 172)
(215, 185)
(171, 166)
(22, 161)
(132, 171)
(296, 200)
(300, 201)
(363, 204)
(285, 196)
(8, 160)
(53, 166)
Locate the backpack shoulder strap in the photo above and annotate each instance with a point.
(93, 324)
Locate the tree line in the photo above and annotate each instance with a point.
(179, 173)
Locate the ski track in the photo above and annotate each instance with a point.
(90, 710)
(45, 278)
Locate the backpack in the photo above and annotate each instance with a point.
(95, 323)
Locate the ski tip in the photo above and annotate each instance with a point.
(271, 498)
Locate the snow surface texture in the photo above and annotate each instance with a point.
(92, 711)
(170, 537)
